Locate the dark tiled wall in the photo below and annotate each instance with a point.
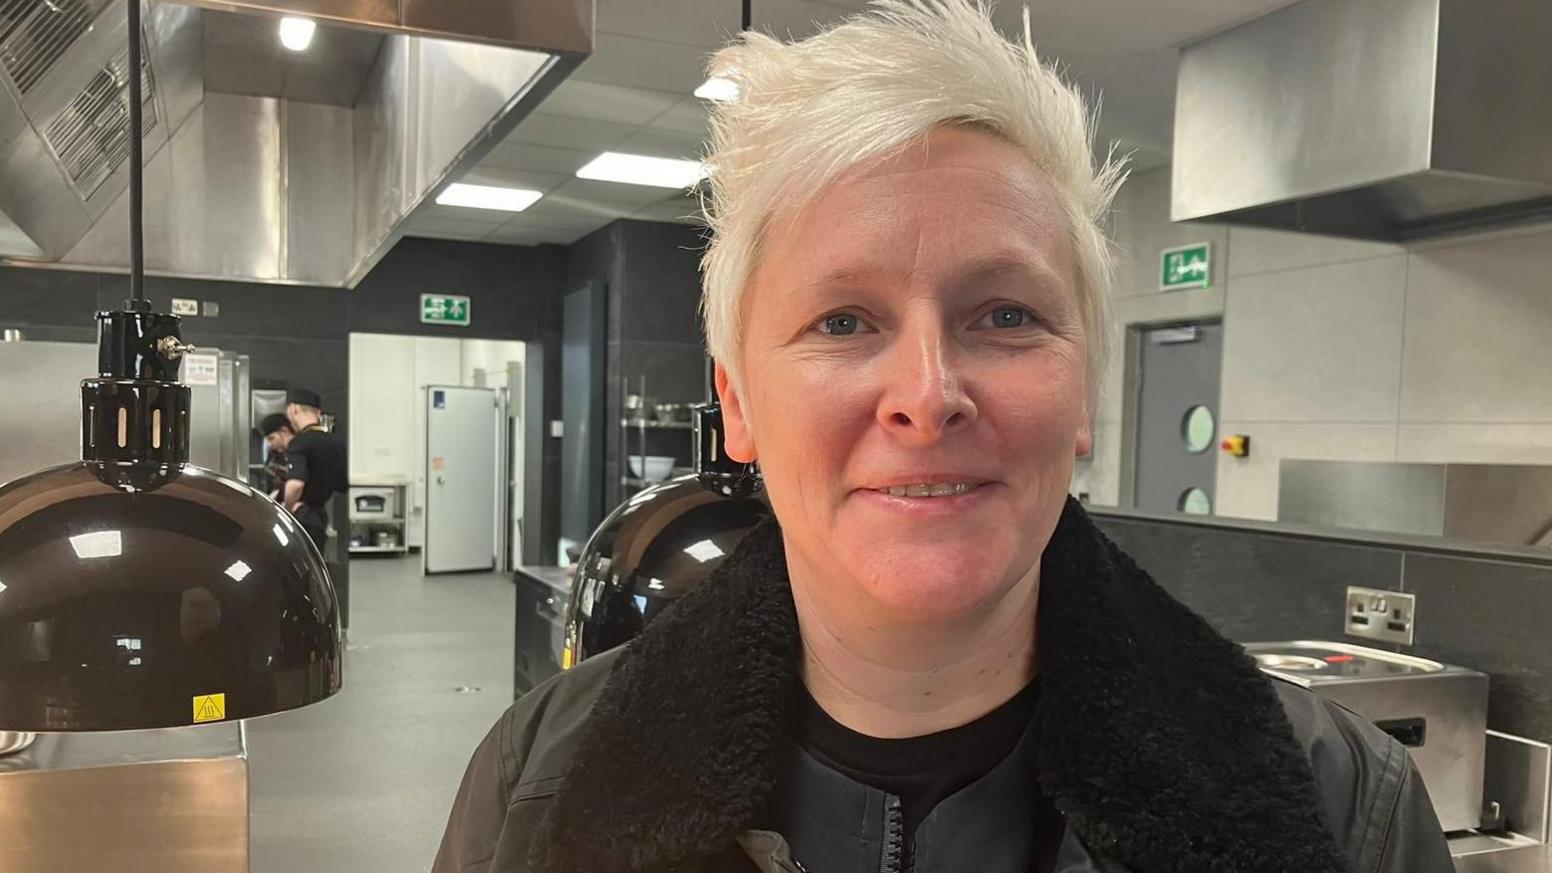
(652, 271)
(1486, 612)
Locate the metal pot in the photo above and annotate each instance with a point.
(15, 741)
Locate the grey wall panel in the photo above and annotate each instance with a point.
(1491, 615)
(1255, 587)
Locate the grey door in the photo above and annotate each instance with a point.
(464, 493)
(1177, 419)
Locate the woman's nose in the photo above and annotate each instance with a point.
(924, 394)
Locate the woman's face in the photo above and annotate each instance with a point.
(913, 332)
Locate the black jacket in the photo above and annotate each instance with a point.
(1160, 742)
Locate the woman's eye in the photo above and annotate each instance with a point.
(842, 324)
(1010, 316)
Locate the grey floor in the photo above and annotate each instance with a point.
(363, 781)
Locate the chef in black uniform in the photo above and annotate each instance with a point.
(317, 465)
(276, 430)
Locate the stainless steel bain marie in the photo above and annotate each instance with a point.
(1438, 711)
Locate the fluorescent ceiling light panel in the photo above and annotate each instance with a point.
(296, 34)
(488, 197)
(100, 544)
(718, 90)
(704, 551)
(643, 170)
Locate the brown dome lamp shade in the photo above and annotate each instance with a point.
(138, 590)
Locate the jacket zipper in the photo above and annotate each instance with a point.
(896, 855)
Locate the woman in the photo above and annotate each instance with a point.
(933, 661)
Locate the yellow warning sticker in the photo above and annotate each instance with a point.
(209, 707)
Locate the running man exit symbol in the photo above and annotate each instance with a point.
(1185, 267)
(444, 309)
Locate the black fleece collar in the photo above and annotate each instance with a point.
(1161, 742)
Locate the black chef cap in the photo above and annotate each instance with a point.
(271, 423)
(303, 397)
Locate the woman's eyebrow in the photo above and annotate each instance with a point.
(1003, 264)
(842, 276)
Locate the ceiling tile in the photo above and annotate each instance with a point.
(663, 144)
(516, 156)
(558, 131)
(576, 98)
(626, 199)
(678, 213)
(559, 217)
(686, 116)
(447, 229)
(570, 208)
(644, 63)
(432, 233)
(794, 19)
(433, 211)
(694, 22)
(510, 178)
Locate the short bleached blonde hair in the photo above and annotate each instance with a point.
(869, 87)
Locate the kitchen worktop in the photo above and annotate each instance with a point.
(554, 577)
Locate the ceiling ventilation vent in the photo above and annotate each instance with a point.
(91, 135)
(35, 34)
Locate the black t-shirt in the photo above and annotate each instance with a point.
(921, 771)
(318, 459)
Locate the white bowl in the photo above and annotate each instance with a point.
(657, 467)
(15, 741)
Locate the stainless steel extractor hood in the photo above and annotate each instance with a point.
(1380, 119)
(262, 164)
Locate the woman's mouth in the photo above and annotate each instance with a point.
(935, 489)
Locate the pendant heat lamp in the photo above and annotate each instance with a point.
(138, 590)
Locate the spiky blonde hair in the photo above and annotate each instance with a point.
(869, 87)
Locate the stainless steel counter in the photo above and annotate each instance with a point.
(160, 801)
(540, 626)
(554, 577)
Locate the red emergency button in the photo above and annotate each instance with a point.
(1237, 445)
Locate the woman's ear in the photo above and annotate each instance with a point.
(1085, 441)
(737, 437)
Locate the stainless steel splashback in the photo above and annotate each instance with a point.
(1485, 503)
(292, 173)
(40, 424)
(1384, 119)
(43, 429)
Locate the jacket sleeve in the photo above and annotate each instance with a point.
(479, 809)
(515, 772)
(1414, 842)
(1371, 794)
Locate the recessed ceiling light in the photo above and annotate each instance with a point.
(98, 544)
(488, 197)
(643, 170)
(718, 89)
(296, 34)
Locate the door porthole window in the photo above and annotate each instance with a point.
(1197, 428)
(1194, 501)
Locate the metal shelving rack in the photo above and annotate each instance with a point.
(637, 421)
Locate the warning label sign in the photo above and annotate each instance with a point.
(209, 707)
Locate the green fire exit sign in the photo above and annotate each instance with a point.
(1185, 267)
(444, 309)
